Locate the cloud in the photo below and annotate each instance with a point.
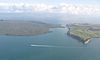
(80, 9)
(61, 8)
(68, 8)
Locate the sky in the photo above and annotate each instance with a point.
(85, 8)
(55, 2)
(77, 7)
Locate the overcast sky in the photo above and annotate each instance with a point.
(90, 2)
(72, 6)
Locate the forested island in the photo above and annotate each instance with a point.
(84, 32)
(25, 28)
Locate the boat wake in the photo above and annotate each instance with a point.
(51, 46)
(42, 45)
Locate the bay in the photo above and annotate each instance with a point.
(55, 45)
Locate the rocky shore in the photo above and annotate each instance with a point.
(79, 38)
(84, 32)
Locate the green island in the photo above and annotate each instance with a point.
(84, 32)
(25, 28)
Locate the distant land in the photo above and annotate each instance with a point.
(25, 28)
(84, 32)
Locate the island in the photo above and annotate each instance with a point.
(25, 28)
(83, 32)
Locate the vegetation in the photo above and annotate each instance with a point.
(24, 27)
(84, 31)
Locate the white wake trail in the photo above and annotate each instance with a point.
(51, 46)
(42, 45)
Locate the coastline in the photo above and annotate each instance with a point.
(83, 32)
(25, 28)
(76, 37)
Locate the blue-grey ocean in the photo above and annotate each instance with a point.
(55, 45)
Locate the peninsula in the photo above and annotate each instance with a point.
(25, 28)
(84, 32)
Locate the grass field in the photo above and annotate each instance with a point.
(85, 32)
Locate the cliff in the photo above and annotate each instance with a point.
(84, 33)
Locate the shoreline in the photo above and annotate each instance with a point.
(25, 28)
(82, 32)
